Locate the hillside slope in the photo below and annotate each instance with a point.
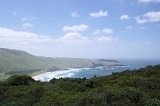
(16, 60)
(20, 62)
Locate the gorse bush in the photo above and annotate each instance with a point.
(20, 80)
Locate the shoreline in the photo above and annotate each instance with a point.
(48, 75)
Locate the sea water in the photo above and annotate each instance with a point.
(98, 71)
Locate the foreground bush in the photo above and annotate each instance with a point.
(20, 80)
(129, 88)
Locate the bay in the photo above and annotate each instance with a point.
(98, 71)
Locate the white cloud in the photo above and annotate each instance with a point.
(125, 17)
(24, 19)
(129, 27)
(76, 28)
(153, 16)
(77, 38)
(101, 13)
(19, 37)
(103, 31)
(140, 20)
(72, 37)
(27, 25)
(74, 14)
(28, 18)
(148, 17)
(106, 39)
(149, 1)
(103, 36)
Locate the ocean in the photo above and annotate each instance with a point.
(98, 71)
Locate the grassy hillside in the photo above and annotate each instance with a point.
(15, 60)
(129, 88)
(19, 62)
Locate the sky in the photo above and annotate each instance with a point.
(112, 29)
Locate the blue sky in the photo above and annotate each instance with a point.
(82, 28)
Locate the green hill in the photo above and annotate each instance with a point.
(16, 60)
(20, 62)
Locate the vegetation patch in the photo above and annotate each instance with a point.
(21, 72)
(129, 88)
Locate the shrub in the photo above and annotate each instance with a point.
(20, 80)
(153, 102)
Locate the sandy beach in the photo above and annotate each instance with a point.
(47, 76)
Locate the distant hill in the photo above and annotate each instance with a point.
(20, 62)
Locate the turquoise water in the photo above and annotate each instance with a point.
(88, 73)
